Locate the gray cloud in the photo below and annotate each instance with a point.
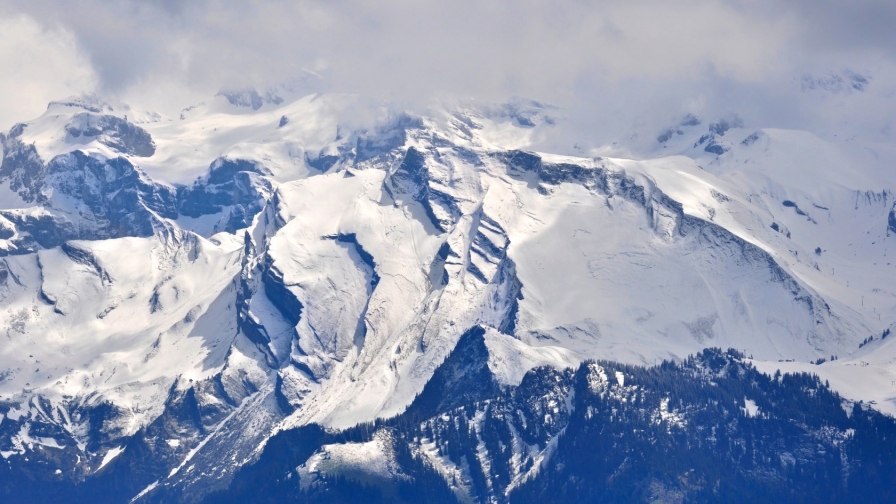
(610, 64)
(838, 26)
(38, 64)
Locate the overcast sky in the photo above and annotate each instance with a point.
(609, 64)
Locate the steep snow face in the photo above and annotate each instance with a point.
(640, 278)
(823, 208)
(117, 315)
(590, 256)
(247, 268)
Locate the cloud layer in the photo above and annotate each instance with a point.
(38, 64)
(610, 64)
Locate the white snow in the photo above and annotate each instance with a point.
(669, 416)
(605, 275)
(10, 199)
(750, 407)
(152, 486)
(101, 335)
(620, 377)
(510, 359)
(871, 379)
(372, 459)
(110, 456)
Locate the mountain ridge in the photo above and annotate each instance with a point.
(297, 272)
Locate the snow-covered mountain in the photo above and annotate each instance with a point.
(176, 291)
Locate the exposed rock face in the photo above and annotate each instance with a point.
(80, 196)
(113, 132)
(250, 98)
(235, 188)
(891, 220)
